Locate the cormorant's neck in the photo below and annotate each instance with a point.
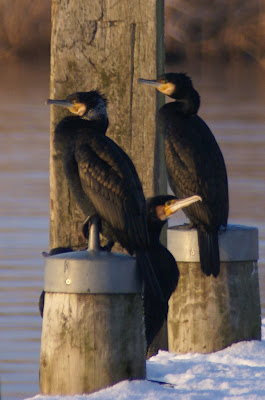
(70, 128)
(154, 230)
(189, 103)
(97, 115)
(99, 124)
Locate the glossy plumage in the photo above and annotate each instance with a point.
(159, 210)
(165, 268)
(195, 164)
(103, 178)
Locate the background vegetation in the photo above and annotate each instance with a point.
(206, 29)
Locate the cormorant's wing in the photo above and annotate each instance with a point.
(110, 180)
(196, 166)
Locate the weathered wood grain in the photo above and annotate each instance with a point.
(107, 45)
(90, 342)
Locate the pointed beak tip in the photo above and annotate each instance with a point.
(149, 82)
(145, 81)
(180, 204)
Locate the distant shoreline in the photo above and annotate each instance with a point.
(193, 30)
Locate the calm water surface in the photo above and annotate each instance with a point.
(233, 103)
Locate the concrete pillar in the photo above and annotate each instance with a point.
(207, 314)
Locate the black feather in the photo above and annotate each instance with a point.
(103, 180)
(195, 166)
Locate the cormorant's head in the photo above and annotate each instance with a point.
(161, 208)
(89, 105)
(179, 87)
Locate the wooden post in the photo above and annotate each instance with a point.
(207, 314)
(107, 45)
(93, 330)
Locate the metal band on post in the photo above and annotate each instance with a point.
(236, 243)
(91, 272)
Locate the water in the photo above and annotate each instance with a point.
(232, 104)
(24, 210)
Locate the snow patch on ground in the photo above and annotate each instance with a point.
(235, 373)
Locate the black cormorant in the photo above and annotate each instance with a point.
(195, 164)
(100, 174)
(159, 210)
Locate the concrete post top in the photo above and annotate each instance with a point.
(91, 272)
(236, 243)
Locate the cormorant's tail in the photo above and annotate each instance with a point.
(148, 274)
(209, 252)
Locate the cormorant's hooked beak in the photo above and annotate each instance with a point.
(75, 108)
(165, 87)
(62, 103)
(173, 206)
(150, 82)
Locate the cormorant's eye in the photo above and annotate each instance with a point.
(167, 203)
(163, 81)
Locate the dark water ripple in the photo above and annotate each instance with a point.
(233, 106)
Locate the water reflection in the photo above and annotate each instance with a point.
(233, 106)
(24, 204)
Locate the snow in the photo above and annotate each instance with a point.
(236, 373)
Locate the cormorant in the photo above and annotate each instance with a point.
(195, 164)
(102, 176)
(159, 210)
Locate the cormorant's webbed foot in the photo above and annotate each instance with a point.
(57, 250)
